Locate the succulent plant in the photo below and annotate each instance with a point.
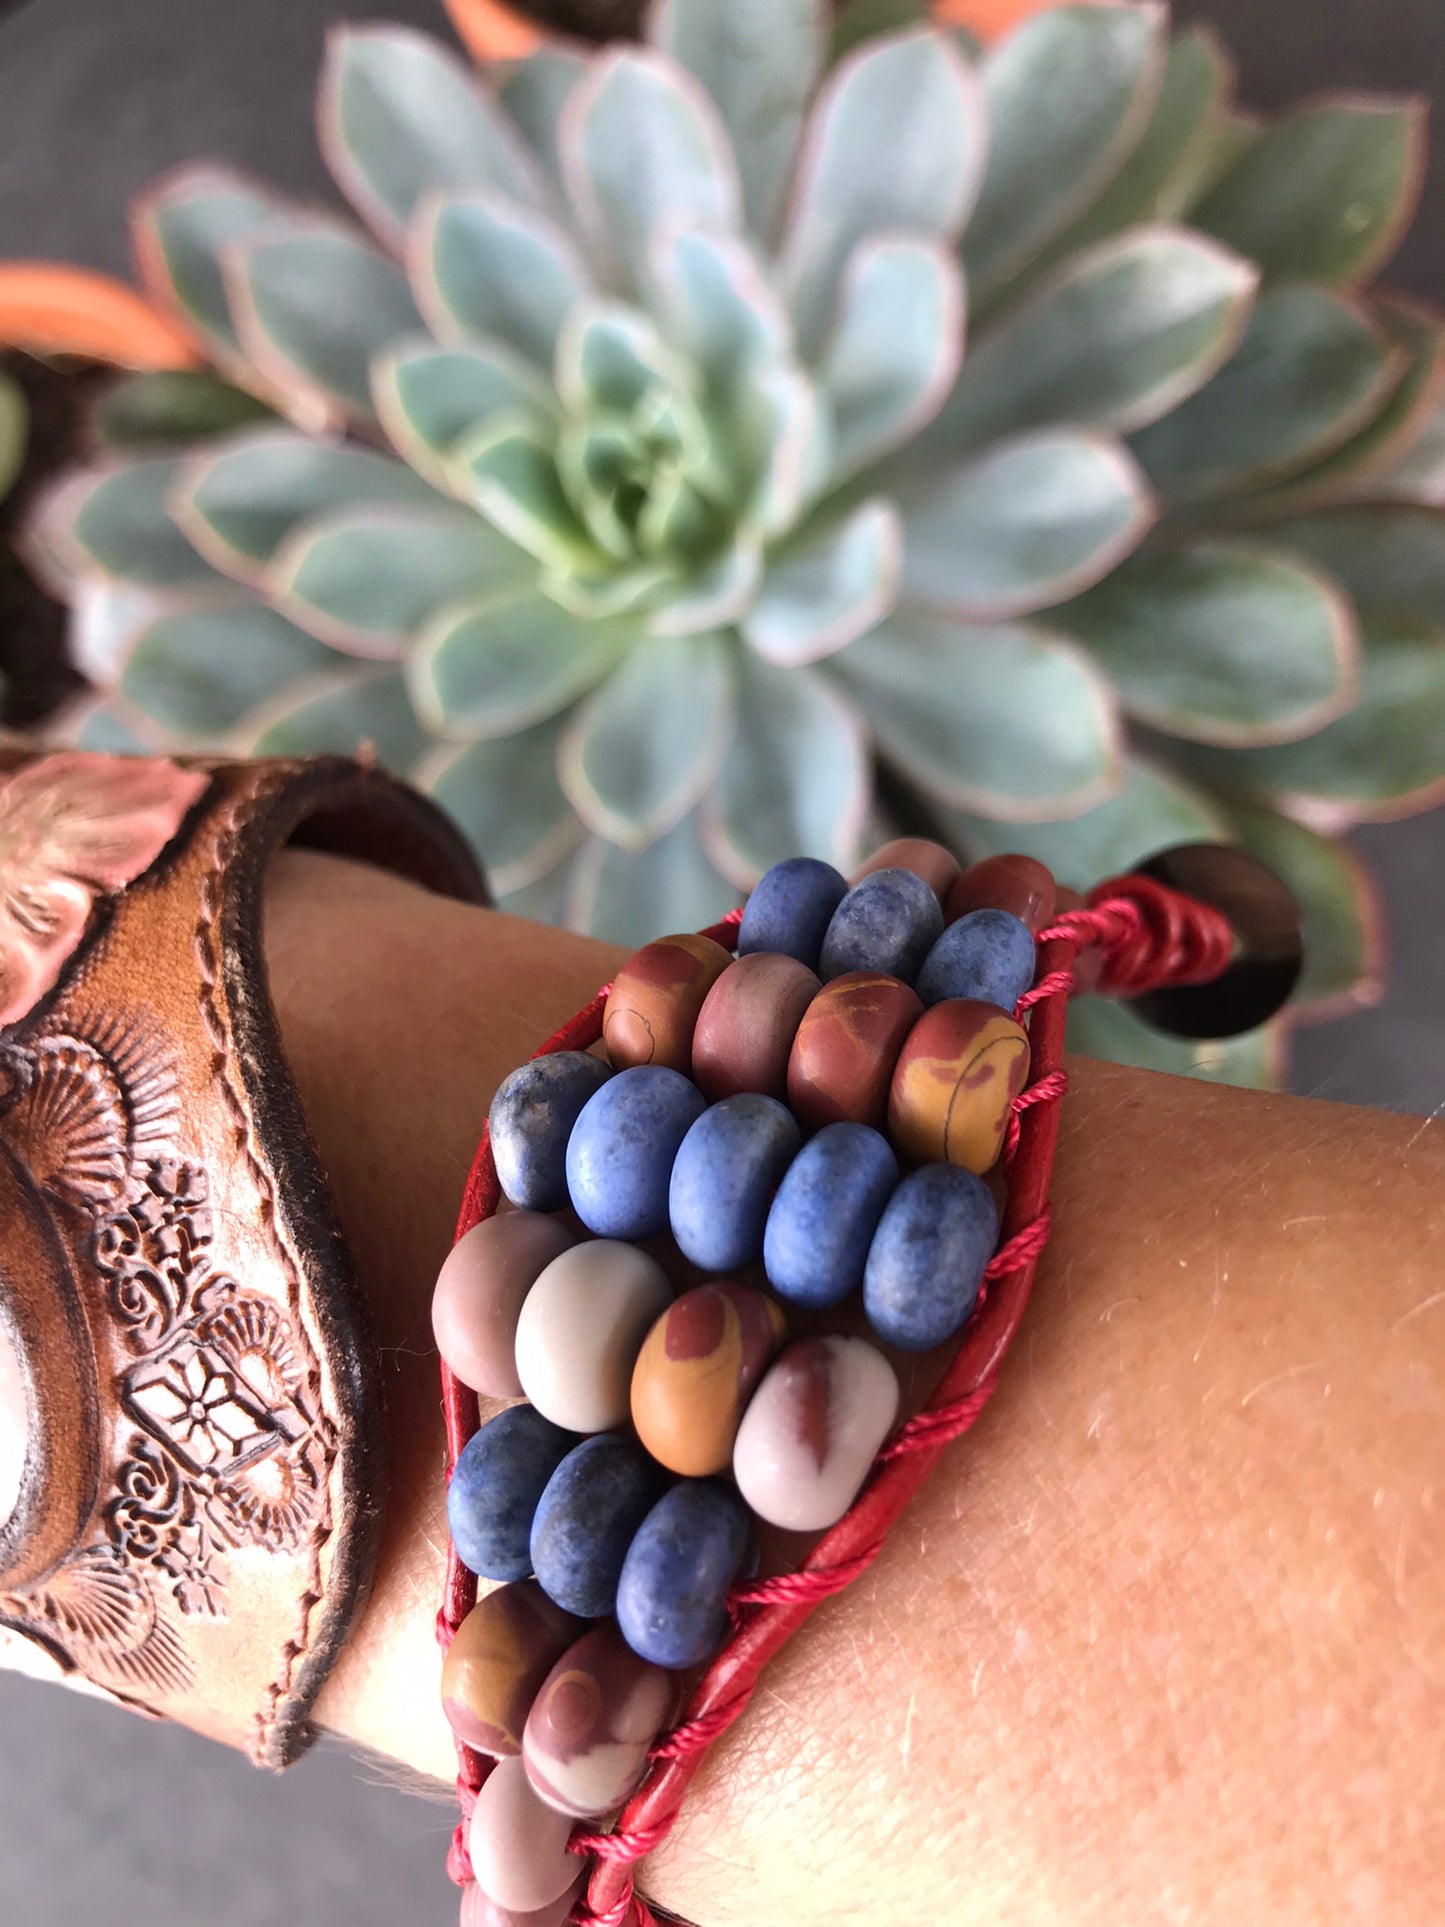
(629, 485)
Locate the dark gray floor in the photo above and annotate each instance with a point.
(101, 1817)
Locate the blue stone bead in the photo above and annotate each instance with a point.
(619, 1157)
(790, 909)
(593, 1505)
(926, 1263)
(499, 1479)
(826, 1212)
(531, 1120)
(987, 955)
(888, 922)
(672, 1597)
(723, 1181)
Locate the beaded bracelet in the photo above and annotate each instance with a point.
(850, 1107)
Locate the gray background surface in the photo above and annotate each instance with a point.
(101, 1816)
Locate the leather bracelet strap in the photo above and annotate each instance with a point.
(200, 1502)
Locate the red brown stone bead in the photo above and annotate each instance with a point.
(847, 1044)
(747, 1024)
(503, 1650)
(953, 1089)
(696, 1372)
(1014, 883)
(921, 855)
(655, 999)
(587, 1735)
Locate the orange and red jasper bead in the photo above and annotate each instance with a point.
(960, 1069)
(653, 1006)
(843, 1056)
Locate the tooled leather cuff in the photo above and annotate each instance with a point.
(198, 1509)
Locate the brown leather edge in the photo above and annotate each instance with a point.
(348, 810)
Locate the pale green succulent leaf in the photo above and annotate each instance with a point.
(716, 304)
(512, 471)
(313, 305)
(594, 455)
(1417, 473)
(534, 93)
(610, 355)
(505, 798)
(182, 228)
(1121, 335)
(1024, 525)
(198, 673)
(1222, 642)
(504, 662)
(918, 92)
(1231, 140)
(1377, 454)
(1326, 192)
(166, 408)
(1008, 719)
(717, 594)
(488, 270)
(342, 712)
(828, 588)
(759, 60)
(796, 780)
(781, 436)
(1158, 180)
(677, 520)
(604, 590)
(430, 399)
(1389, 556)
(548, 900)
(644, 150)
(239, 502)
(400, 116)
(1067, 94)
(895, 350)
(617, 894)
(1340, 913)
(111, 729)
(367, 580)
(1382, 759)
(1099, 1027)
(105, 617)
(641, 751)
(117, 522)
(1152, 810)
(1311, 369)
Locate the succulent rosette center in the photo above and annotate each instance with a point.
(629, 491)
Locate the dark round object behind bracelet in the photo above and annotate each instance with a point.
(1269, 952)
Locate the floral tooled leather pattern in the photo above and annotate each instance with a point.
(228, 1449)
(138, 1195)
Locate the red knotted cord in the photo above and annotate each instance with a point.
(1148, 936)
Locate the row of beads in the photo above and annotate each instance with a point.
(683, 1002)
(894, 917)
(640, 1152)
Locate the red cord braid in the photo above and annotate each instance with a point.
(1149, 936)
